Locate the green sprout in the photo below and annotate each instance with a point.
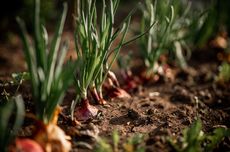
(48, 76)
(224, 73)
(195, 140)
(12, 113)
(132, 144)
(94, 37)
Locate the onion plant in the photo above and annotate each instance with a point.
(11, 118)
(167, 36)
(130, 81)
(94, 37)
(49, 76)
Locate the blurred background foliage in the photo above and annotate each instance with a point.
(219, 11)
(50, 10)
(218, 20)
(10, 9)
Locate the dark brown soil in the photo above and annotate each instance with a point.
(158, 110)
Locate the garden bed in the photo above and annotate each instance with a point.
(159, 110)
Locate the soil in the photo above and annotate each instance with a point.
(158, 110)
